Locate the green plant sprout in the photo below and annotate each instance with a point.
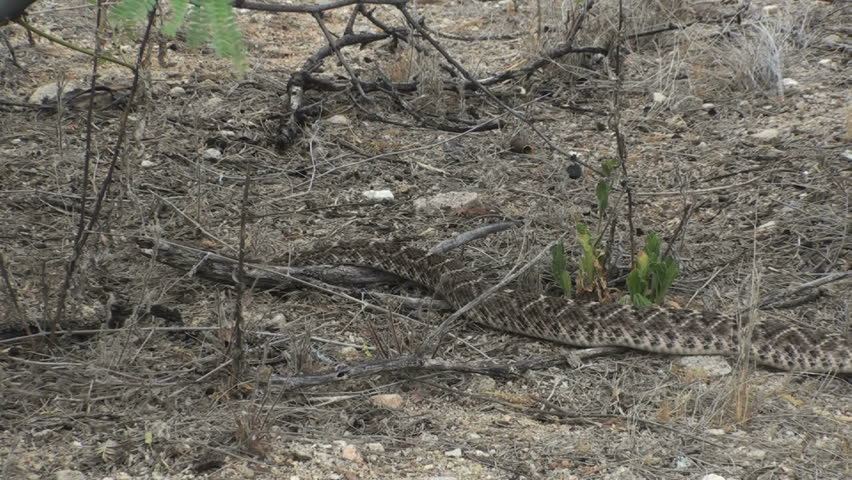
(652, 277)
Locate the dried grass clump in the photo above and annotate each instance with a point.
(755, 55)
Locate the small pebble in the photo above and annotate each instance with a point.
(177, 92)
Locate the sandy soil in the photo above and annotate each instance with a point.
(763, 174)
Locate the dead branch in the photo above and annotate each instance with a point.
(306, 78)
(419, 365)
(220, 268)
(471, 235)
(84, 229)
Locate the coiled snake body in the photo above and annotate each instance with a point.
(774, 343)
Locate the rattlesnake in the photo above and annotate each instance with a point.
(774, 343)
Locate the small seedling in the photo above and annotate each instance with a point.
(652, 277)
(558, 266)
(590, 275)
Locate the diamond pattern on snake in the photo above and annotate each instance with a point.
(774, 343)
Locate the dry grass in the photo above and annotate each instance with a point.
(154, 396)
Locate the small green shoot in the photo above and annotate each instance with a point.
(652, 277)
(602, 192)
(604, 186)
(560, 272)
(590, 277)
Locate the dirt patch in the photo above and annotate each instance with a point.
(757, 153)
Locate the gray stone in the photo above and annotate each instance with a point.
(69, 475)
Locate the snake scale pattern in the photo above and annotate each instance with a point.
(774, 343)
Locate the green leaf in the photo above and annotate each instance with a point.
(129, 12)
(179, 9)
(641, 301)
(565, 283)
(635, 283)
(199, 26)
(663, 275)
(608, 166)
(558, 255)
(589, 260)
(643, 261)
(559, 268)
(652, 247)
(212, 20)
(602, 192)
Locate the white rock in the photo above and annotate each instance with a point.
(146, 164)
(708, 106)
(381, 195)
(677, 121)
(69, 475)
(374, 447)
(658, 97)
(349, 353)
(212, 154)
(789, 83)
(387, 400)
(338, 120)
(712, 476)
(456, 452)
(712, 365)
(766, 135)
(349, 452)
(771, 10)
(756, 453)
(48, 93)
(681, 462)
(829, 64)
(177, 92)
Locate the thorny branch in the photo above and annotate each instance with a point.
(307, 77)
